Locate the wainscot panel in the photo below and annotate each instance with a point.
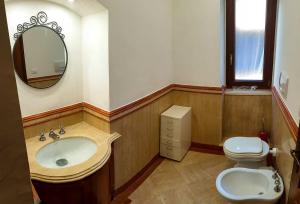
(283, 139)
(206, 115)
(246, 115)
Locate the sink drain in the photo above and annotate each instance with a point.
(260, 193)
(61, 162)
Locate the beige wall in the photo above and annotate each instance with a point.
(286, 60)
(198, 42)
(35, 130)
(95, 66)
(206, 115)
(282, 138)
(243, 115)
(140, 48)
(97, 122)
(287, 52)
(139, 143)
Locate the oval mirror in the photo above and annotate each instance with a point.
(40, 57)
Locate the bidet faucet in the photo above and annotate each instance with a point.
(53, 135)
(275, 175)
(277, 188)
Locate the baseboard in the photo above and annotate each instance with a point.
(206, 148)
(121, 194)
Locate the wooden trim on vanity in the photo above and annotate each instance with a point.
(293, 128)
(122, 193)
(119, 112)
(36, 198)
(205, 148)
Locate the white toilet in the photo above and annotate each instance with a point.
(249, 186)
(250, 181)
(248, 152)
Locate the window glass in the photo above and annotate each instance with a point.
(250, 21)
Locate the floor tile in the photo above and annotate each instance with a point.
(191, 181)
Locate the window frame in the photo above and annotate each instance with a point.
(269, 46)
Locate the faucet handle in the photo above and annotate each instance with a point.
(275, 175)
(42, 136)
(277, 188)
(61, 130)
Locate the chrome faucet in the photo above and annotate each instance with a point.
(61, 130)
(53, 135)
(42, 136)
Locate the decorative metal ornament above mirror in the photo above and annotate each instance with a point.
(40, 53)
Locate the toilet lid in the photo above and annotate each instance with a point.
(244, 145)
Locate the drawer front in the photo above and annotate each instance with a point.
(170, 142)
(170, 128)
(167, 147)
(171, 152)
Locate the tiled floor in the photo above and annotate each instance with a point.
(187, 182)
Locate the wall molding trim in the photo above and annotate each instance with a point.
(51, 115)
(119, 112)
(293, 127)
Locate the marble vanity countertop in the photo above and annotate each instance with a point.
(73, 173)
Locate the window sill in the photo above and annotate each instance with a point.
(235, 92)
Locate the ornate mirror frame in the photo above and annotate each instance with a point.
(41, 20)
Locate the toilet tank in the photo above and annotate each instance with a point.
(175, 136)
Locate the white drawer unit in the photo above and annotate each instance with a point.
(175, 135)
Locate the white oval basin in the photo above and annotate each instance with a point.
(66, 152)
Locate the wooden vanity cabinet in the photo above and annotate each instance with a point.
(94, 189)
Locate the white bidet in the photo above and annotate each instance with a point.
(250, 186)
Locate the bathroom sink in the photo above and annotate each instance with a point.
(66, 152)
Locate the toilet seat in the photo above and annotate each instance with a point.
(244, 145)
(246, 149)
(249, 156)
(242, 184)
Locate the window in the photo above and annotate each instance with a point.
(250, 35)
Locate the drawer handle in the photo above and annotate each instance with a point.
(169, 148)
(295, 155)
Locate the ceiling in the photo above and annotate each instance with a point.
(81, 7)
